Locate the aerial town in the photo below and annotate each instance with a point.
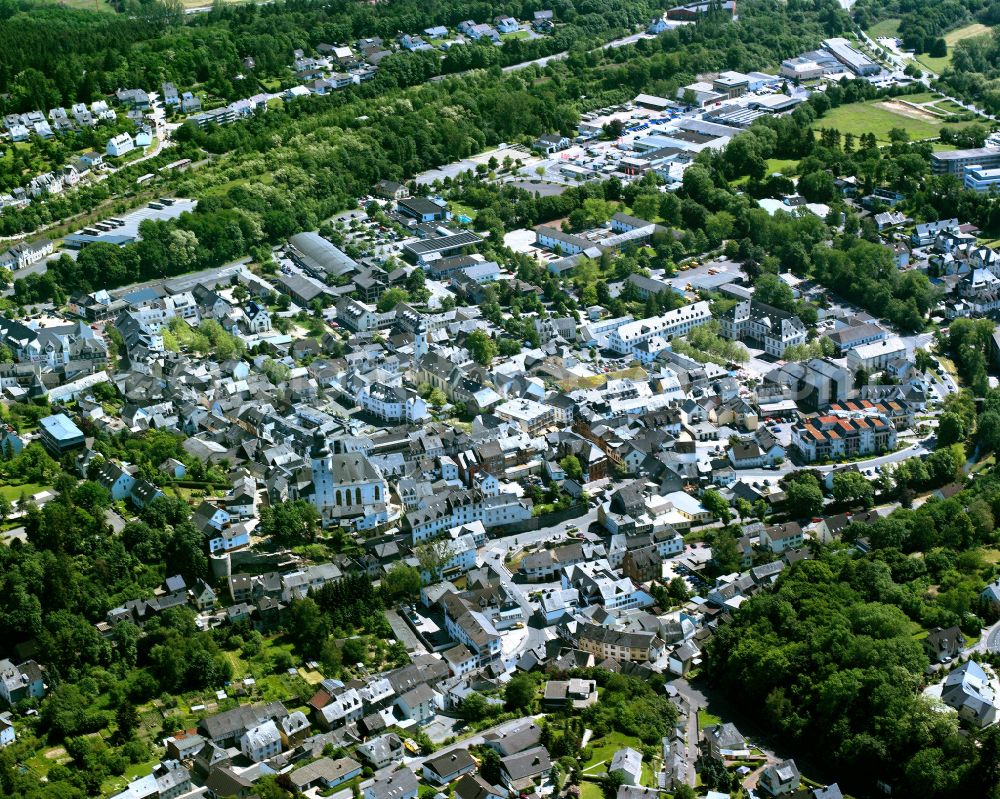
(514, 406)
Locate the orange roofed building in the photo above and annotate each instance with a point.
(838, 436)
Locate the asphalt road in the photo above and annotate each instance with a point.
(541, 62)
(990, 641)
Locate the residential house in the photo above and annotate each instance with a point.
(401, 784)
(524, 769)
(324, 773)
(968, 690)
(418, 704)
(575, 693)
(627, 763)
(261, 742)
(381, 751)
(448, 767)
(24, 681)
(779, 779)
(941, 645)
(722, 741)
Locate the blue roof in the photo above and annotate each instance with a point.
(83, 239)
(141, 295)
(61, 427)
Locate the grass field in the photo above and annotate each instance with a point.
(84, 5)
(786, 166)
(13, 493)
(706, 719)
(951, 39)
(887, 27)
(879, 118)
(604, 749)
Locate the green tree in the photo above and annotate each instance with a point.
(391, 298)
(571, 466)
(127, 720)
(433, 556)
(481, 347)
(611, 782)
(850, 487)
(950, 429)
(804, 499)
(401, 582)
(519, 694)
(717, 505)
(725, 552)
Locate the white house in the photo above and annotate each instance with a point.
(7, 734)
(261, 742)
(628, 763)
(120, 144)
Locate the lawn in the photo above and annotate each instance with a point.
(590, 790)
(515, 35)
(604, 749)
(921, 97)
(879, 118)
(13, 492)
(786, 166)
(887, 27)
(706, 719)
(115, 784)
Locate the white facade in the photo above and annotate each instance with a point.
(678, 322)
(120, 144)
(876, 355)
(262, 742)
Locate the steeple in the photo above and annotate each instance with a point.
(420, 341)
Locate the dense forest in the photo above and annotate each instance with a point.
(975, 70)
(829, 657)
(53, 56)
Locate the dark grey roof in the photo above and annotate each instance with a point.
(320, 256)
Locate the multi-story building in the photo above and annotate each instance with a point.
(393, 403)
(955, 162)
(763, 326)
(875, 356)
(530, 416)
(678, 322)
(843, 436)
(603, 643)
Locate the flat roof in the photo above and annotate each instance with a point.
(60, 427)
(954, 155)
(464, 239)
